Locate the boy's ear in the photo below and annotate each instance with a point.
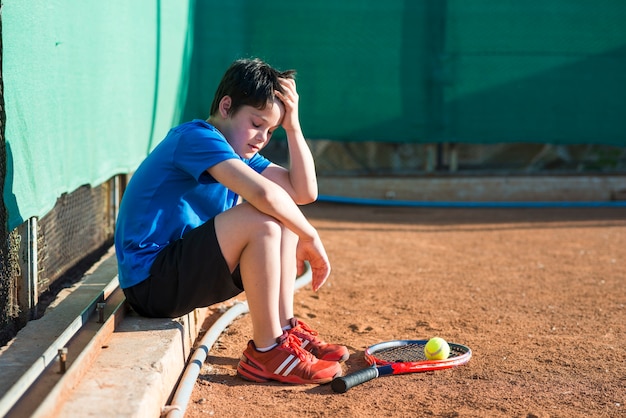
(225, 105)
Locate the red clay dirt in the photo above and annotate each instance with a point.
(539, 295)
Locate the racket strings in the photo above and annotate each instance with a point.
(405, 353)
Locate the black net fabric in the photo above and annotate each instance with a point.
(9, 267)
(80, 223)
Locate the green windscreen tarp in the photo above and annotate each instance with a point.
(361, 64)
(478, 71)
(536, 71)
(89, 87)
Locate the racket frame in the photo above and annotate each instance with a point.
(398, 367)
(459, 354)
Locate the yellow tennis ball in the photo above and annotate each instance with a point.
(436, 349)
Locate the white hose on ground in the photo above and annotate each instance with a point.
(178, 406)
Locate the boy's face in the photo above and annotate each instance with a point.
(250, 129)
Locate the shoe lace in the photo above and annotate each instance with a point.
(304, 331)
(307, 329)
(292, 343)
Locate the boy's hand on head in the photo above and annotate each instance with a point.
(290, 100)
(313, 251)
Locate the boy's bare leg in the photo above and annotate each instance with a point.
(288, 275)
(253, 241)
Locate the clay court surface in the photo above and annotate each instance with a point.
(539, 295)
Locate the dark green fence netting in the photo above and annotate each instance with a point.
(474, 71)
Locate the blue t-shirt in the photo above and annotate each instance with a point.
(171, 193)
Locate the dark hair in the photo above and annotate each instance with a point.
(249, 82)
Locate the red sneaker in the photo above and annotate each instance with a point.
(314, 345)
(287, 363)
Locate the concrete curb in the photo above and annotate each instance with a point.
(138, 369)
(135, 370)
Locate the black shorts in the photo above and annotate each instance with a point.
(187, 274)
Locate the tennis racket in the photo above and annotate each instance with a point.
(399, 357)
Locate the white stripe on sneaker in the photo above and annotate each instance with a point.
(290, 368)
(285, 363)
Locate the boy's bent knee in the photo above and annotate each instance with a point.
(249, 221)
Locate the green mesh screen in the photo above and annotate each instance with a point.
(478, 71)
(552, 71)
(90, 87)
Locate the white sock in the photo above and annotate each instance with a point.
(266, 349)
(287, 327)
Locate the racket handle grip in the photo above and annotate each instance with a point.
(342, 384)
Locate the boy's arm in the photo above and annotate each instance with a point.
(273, 200)
(299, 180)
